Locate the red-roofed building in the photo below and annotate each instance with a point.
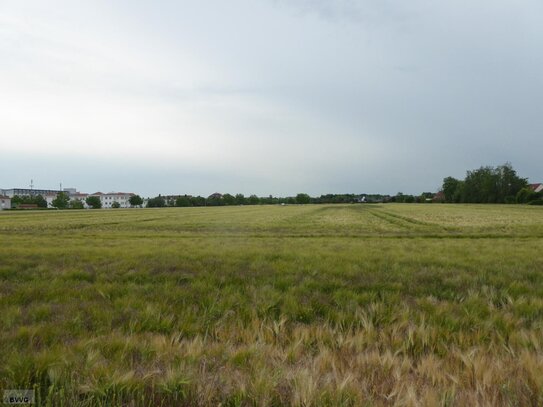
(537, 187)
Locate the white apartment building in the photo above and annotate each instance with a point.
(5, 202)
(107, 199)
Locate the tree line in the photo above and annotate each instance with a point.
(489, 184)
(486, 184)
(240, 199)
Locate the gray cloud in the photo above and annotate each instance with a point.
(271, 96)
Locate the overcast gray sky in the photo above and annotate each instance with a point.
(268, 96)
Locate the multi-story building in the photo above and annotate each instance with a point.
(28, 192)
(107, 199)
(5, 202)
(79, 196)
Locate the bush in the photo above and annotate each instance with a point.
(94, 202)
(536, 202)
(135, 200)
(157, 202)
(76, 204)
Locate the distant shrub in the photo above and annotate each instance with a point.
(536, 202)
(157, 202)
(76, 204)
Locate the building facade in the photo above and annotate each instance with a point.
(28, 192)
(107, 199)
(5, 202)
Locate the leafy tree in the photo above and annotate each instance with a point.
(76, 204)
(509, 183)
(198, 201)
(183, 201)
(459, 193)
(485, 185)
(214, 200)
(253, 200)
(526, 195)
(229, 199)
(27, 199)
(450, 186)
(61, 201)
(135, 200)
(303, 198)
(240, 199)
(157, 202)
(94, 202)
(115, 205)
(40, 201)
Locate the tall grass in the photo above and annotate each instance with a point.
(301, 305)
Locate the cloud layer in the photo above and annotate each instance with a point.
(267, 97)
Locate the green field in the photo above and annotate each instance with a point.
(274, 305)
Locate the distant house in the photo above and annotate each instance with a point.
(537, 187)
(5, 202)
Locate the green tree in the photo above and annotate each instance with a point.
(302, 198)
(253, 200)
(509, 183)
(459, 194)
(115, 205)
(240, 199)
(449, 188)
(183, 201)
(94, 202)
(198, 201)
(135, 200)
(61, 201)
(156, 202)
(492, 185)
(229, 199)
(76, 204)
(525, 195)
(27, 199)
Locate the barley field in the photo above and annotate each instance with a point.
(332, 305)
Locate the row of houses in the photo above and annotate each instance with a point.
(107, 199)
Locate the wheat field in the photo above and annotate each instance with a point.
(303, 305)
